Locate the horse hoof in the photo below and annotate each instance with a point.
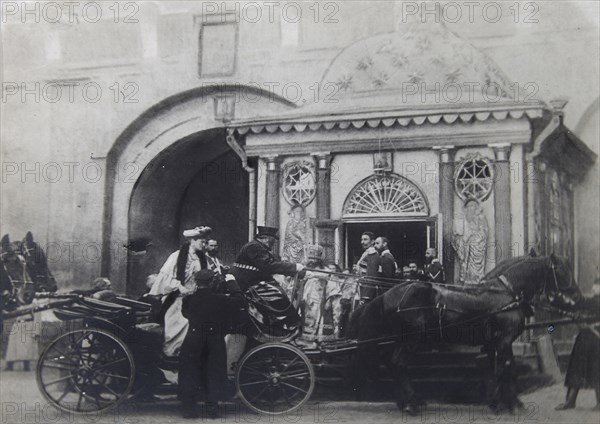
(564, 407)
(410, 409)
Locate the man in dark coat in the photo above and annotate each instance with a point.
(203, 357)
(433, 269)
(256, 263)
(584, 363)
(387, 267)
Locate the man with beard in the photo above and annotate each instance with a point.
(256, 262)
(212, 258)
(368, 266)
(433, 269)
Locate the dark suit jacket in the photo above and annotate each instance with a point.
(212, 313)
(255, 254)
(388, 265)
(434, 272)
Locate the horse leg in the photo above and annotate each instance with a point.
(505, 377)
(492, 392)
(403, 390)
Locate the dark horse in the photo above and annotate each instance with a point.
(23, 272)
(491, 314)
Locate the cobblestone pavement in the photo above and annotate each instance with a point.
(22, 403)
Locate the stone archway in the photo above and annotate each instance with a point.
(188, 127)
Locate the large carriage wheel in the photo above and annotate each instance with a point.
(275, 378)
(86, 370)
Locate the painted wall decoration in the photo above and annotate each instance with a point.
(294, 242)
(470, 243)
(474, 178)
(392, 195)
(299, 183)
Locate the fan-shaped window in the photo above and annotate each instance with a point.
(390, 196)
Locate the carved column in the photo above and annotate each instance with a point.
(323, 194)
(272, 192)
(502, 219)
(325, 227)
(446, 162)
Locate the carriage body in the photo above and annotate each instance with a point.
(110, 351)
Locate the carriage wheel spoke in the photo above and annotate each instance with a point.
(107, 387)
(79, 401)
(59, 380)
(109, 364)
(112, 376)
(285, 396)
(293, 361)
(260, 393)
(303, 374)
(65, 392)
(59, 365)
(251, 383)
(254, 370)
(294, 387)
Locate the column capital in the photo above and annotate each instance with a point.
(273, 162)
(446, 153)
(501, 151)
(323, 159)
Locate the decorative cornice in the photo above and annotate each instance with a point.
(386, 119)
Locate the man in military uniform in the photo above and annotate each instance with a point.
(203, 357)
(388, 266)
(212, 259)
(368, 266)
(433, 269)
(256, 262)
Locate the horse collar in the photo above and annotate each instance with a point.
(506, 283)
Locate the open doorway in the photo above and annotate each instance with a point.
(407, 240)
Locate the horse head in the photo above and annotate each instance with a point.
(16, 285)
(37, 265)
(550, 277)
(562, 291)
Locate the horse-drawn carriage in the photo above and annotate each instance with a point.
(111, 352)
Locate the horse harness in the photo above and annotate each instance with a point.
(517, 301)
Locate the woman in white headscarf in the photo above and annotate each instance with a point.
(176, 280)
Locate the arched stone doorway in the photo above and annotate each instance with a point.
(196, 181)
(172, 168)
(394, 207)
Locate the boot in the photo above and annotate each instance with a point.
(212, 410)
(572, 393)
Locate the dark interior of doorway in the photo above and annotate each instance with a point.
(407, 240)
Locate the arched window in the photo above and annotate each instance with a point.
(389, 196)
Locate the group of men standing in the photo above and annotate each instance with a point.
(377, 264)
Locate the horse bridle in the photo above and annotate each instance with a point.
(23, 265)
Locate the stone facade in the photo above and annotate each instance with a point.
(137, 96)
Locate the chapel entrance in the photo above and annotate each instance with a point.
(408, 240)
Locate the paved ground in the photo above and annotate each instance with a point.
(21, 403)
